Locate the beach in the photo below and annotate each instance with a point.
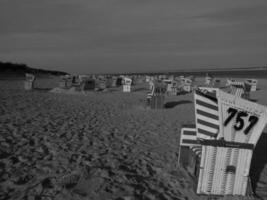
(100, 145)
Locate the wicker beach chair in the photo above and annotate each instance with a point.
(156, 97)
(253, 83)
(225, 163)
(29, 81)
(127, 82)
(227, 129)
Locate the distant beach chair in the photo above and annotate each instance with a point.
(171, 86)
(186, 85)
(156, 97)
(212, 82)
(253, 83)
(88, 84)
(217, 83)
(208, 81)
(174, 86)
(65, 82)
(119, 81)
(147, 79)
(114, 81)
(29, 81)
(127, 82)
(62, 82)
(100, 85)
(237, 88)
(227, 129)
(181, 78)
(168, 85)
(247, 90)
(76, 81)
(150, 94)
(240, 89)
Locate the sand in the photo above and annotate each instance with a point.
(97, 145)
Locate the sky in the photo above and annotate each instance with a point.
(113, 36)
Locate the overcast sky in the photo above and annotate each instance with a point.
(88, 36)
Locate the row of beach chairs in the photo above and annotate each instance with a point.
(84, 83)
(156, 96)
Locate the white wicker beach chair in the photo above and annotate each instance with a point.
(225, 163)
(29, 81)
(127, 82)
(226, 132)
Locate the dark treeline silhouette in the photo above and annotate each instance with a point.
(21, 69)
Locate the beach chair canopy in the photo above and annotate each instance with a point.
(237, 88)
(29, 77)
(206, 113)
(127, 81)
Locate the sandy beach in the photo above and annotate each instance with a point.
(99, 145)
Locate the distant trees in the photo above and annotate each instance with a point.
(21, 69)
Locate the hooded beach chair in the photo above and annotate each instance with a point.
(212, 82)
(247, 90)
(76, 81)
(127, 82)
(168, 83)
(253, 83)
(187, 87)
(174, 86)
(216, 83)
(114, 81)
(88, 84)
(65, 81)
(100, 83)
(171, 85)
(237, 88)
(150, 94)
(156, 96)
(147, 79)
(240, 89)
(208, 81)
(29, 81)
(226, 156)
(227, 130)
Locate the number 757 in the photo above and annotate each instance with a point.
(239, 123)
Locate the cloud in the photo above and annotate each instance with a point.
(123, 34)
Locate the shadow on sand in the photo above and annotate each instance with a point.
(253, 100)
(42, 89)
(172, 104)
(139, 89)
(259, 160)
